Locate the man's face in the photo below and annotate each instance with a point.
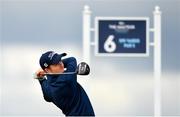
(56, 68)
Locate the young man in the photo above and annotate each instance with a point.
(63, 90)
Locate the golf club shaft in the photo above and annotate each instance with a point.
(60, 73)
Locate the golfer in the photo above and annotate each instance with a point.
(63, 90)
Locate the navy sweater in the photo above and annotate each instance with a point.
(66, 93)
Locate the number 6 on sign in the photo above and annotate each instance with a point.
(110, 45)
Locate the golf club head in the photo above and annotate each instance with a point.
(83, 69)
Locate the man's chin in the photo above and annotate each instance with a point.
(59, 72)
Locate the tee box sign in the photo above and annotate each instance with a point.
(122, 36)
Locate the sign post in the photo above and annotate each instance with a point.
(157, 61)
(86, 34)
(125, 37)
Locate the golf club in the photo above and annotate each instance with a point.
(82, 69)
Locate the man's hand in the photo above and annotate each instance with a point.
(39, 74)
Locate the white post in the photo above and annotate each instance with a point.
(157, 62)
(86, 34)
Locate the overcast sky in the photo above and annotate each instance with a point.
(31, 27)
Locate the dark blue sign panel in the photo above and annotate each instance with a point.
(122, 36)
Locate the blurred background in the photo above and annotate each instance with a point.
(116, 86)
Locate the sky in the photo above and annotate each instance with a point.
(123, 84)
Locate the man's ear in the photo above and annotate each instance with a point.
(46, 70)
